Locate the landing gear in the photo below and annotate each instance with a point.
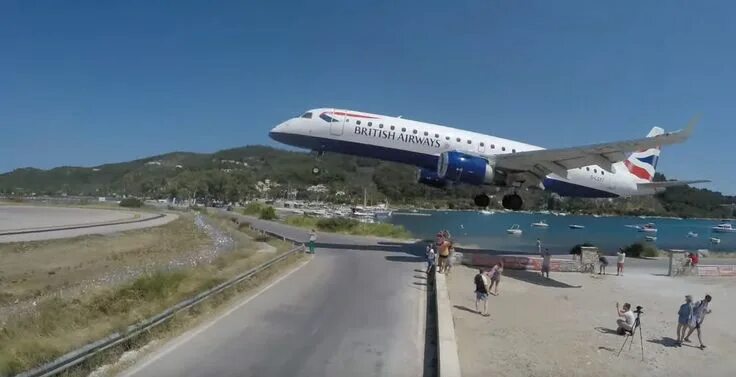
(512, 202)
(482, 200)
(318, 158)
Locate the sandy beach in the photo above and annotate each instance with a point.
(565, 326)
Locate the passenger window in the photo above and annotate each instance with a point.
(503, 149)
(447, 138)
(380, 125)
(403, 129)
(426, 133)
(357, 121)
(458, 140)
(493, 146)
(470, 142)
(414, 132)
(603, 173)
(436, 136)
(482, 145)
(392, 128)
(307, 115)
(370, 124)
(587, 168)
(513, 151)
(595, 170)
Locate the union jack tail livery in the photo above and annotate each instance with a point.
(643, 164)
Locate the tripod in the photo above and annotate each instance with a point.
(637, 325)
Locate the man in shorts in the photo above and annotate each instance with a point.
(684, 316)
(621, 257)
(627, 323)
(700, 310)
(546, 261)
(481, 292)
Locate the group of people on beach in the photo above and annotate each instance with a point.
(690, 318)
(439, 255)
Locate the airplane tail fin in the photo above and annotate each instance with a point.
(643, 164)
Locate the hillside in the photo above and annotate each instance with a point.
(233, 175)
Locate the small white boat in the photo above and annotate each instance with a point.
(724, 228)
(650, 238)
(715, 240)
(692, 235)
(515, 229)
(540, 224)
(486, 212)
(648, 228)
(575, 226)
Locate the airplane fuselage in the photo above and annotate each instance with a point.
(420, 144)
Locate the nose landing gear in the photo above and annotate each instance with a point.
(316, 170)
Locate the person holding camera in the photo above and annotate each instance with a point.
(627, 323)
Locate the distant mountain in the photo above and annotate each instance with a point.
(233, 175)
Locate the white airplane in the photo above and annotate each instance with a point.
(447, 155)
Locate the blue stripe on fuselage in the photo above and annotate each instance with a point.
(426, 161)
(563, 188)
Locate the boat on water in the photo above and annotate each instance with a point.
(486, 212)
(576, 226)
(515, 229)
(647, 228)
(540, 224)
(715, 240)
(650, 238)
(724, 228)
(692, 235)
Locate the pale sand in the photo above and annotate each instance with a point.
(540, 330)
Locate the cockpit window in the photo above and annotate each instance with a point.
(307, 115)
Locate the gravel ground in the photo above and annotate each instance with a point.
(564, 326)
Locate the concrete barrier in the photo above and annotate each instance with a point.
(512, 262)
(447, 356)
(717, 270)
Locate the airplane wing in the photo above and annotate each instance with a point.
(539, 163)
(665, 184)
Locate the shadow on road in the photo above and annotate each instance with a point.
(534, 278)
(604, 330)
(465, 309)
(665, 341)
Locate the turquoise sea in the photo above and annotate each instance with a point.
(488, 231)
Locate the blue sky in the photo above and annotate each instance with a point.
(86, 83)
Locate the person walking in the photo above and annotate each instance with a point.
(684, 316)
(450, 256)
(312, 240)
(539, 246)
(546, 261)
(621, 257)
(700, 310)
(481, 292)
(496, 277)
(444, 254)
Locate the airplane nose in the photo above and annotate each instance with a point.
(277, 132)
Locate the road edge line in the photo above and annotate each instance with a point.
(447, 351)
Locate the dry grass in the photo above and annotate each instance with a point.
(60, 325)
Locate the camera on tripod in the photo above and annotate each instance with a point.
(639, 310)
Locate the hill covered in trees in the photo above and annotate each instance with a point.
(240, 174)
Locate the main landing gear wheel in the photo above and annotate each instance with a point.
(512, 202)
(482, 200)
(316, 170)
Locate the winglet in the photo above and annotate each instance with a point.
(688, 130)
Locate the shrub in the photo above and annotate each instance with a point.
(336, 224)
(578, 249)
(131, 203)
(640, 249)
(253, 208)
(268, 213)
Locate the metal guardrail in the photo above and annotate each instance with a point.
(78, 356)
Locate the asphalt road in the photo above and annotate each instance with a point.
(356, 309)
(42, 223)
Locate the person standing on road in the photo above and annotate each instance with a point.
(431, 260)
(684, 316)
(312, 240)
(481, 292)
(699, 312)
(496, 277)
(620, 262)
(546, 261)
(603, 263)
(451, 255)
(444, 254)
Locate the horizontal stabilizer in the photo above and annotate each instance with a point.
(665, 184)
